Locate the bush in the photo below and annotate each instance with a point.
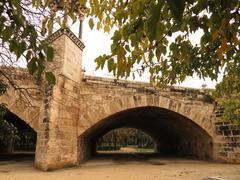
(232, 110)
(8, 132)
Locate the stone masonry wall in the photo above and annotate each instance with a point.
(101, 97)
(227, 139)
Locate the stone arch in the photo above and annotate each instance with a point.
(29, 114)
(197, 111)
(187, 120)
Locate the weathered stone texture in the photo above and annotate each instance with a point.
(60, 110)
(23, 100)
(102, 97)
(227, 139)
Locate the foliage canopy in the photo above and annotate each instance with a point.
(155, 36)
(150, 35)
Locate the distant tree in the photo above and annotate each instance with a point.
(123, 137)
(8, 132)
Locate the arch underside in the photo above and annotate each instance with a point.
(26, 136)
(27, 113)
(173, 133)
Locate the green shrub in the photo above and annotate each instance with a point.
(8, 131)
(232, 110)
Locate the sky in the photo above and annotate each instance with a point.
(98, 43)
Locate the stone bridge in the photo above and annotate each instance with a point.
(72, 115)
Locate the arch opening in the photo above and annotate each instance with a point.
(19, 145)
(174, 134)
(125, 140)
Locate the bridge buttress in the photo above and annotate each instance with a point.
(57, 138)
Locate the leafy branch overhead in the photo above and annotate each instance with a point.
(154, 36)
(19, 37)
(150, 35)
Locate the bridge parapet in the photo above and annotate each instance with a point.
(185, 93)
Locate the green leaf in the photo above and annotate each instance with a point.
(28, 55)
(117, 36)
(13, 45)
(152, 22)
(100, 60)
(50, 53)
(20, 50)
(7, 33)
(50, 26)
(50, 77)
(33, 37)
(26, 31)
(121, 53)
(226, 4)
(43, 27)
(111, 65)
(206, 38)
(177, 7)
(32, 67)
(16, 3)
(91, 23)
(82, 2)
(64, 23)
(40, 70)
(47, 2)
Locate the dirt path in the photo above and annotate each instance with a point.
(123, 167)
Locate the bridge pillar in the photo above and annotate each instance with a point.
(57, 142)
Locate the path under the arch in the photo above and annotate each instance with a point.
(128, 167)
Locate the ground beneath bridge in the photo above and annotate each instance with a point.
(132, 166)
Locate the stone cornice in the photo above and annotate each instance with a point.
(68, 33)
(145, 85)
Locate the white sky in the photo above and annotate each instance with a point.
(98, 43)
